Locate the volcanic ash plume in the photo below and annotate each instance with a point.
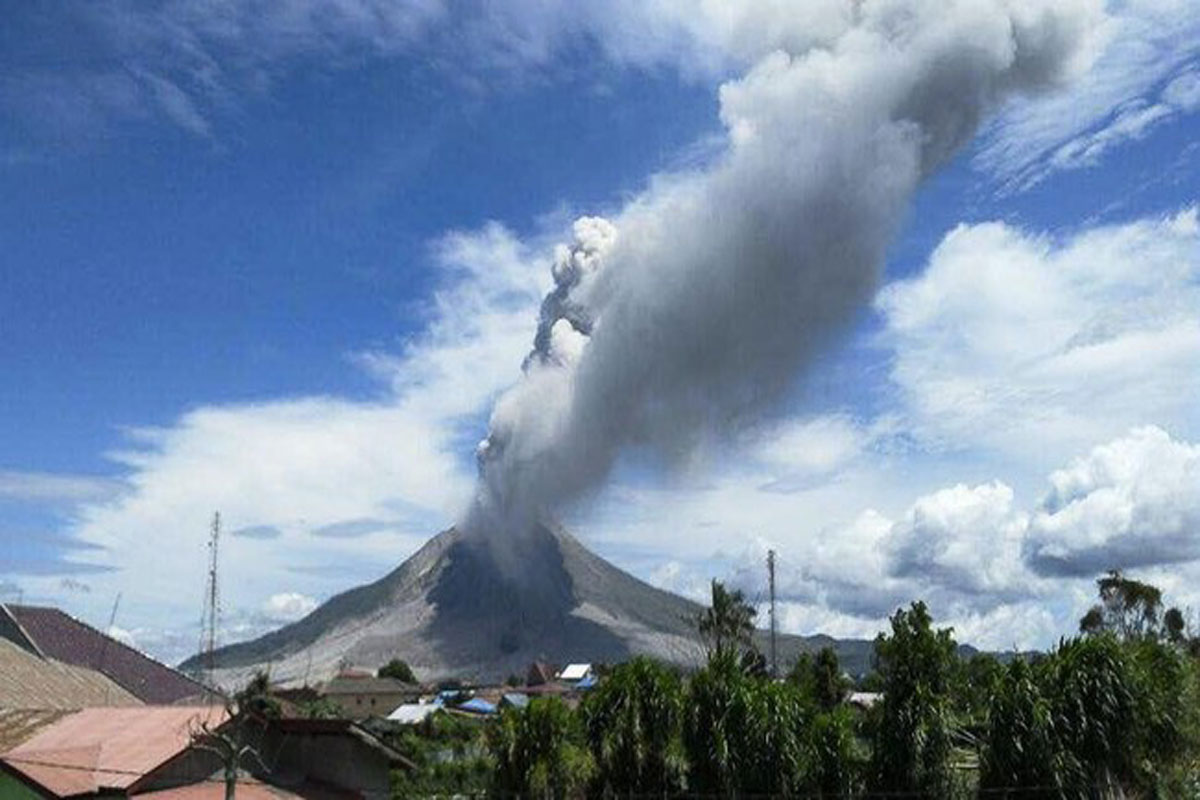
(702, 301)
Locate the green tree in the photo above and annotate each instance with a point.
(634, 723)
(729, 622)
(711, 735)
(398, 669)
(913, 739)
(256, 698)
(540, 751)
(834, 759)
(1090, 686)
(772, 723)
(1131, 609)
(820, 678)
(1020, 748)
(975, 683)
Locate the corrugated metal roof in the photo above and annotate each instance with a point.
(412, 713)
(64, 638)
(247, 790)
(19, 724)
(107, 748)
(30, 682)
(575, 672)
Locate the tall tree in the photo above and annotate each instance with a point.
(1130, 609)
(540, 751)
(634, 723)
(912, 742)
(1020, 748)
(728, 623)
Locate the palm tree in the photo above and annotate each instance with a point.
(729, 622)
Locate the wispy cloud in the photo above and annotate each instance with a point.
(1144, 76)
(49, 487)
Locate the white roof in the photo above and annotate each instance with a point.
(412, 713)
(575, 672)
(864, 699)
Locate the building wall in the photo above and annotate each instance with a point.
(361, 706)
(338, 760)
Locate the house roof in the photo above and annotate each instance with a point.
(59, 636)
(540, 672)
(343, 685)
(515, 699)
(28, 681)
(19, 724)
(249, 788)
(575, 672)
(478, 705)
(107, 748)
(412, 713)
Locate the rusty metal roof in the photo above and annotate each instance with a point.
(30, 682)
(107, 748)
(249, 789)
(60, 636)
(19, 724)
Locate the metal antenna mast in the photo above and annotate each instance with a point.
(108, 632)
(771, 586)
(211, 599)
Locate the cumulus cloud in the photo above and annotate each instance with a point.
(967, 539)
(712, 290)
(1010, 338)
(288, 606)
(1133, 502)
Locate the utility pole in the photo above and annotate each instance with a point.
(771, 586)
(211, 599)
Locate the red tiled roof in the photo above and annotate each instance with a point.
(107, 748)
(64, 638)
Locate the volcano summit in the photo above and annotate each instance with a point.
(452, 610)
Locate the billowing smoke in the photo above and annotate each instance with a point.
(698, 306)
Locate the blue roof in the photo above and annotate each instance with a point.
(479, 706)
(586, 683)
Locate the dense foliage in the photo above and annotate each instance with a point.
(399, 669)
(1111, 713)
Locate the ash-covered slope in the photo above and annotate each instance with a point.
(451, 610)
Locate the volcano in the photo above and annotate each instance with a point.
(451, 610)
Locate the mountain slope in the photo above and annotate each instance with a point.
(453, 610)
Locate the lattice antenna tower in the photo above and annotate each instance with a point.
(212, 606)
(774, 626)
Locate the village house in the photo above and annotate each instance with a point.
(51, 634)
(159, 752)
(361, 696)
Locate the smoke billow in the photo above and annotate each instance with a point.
(695, 308)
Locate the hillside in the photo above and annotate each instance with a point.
(451, 610)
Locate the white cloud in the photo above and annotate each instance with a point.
(46, 487)
(288, 606)
(1009, 338)
(286, 469)
(965, 539)
(1133, 502)
(1144, 76)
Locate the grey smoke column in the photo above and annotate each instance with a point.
(696, 307)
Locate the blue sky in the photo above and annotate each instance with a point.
(281, 259)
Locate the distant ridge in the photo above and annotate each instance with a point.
(451, 611)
